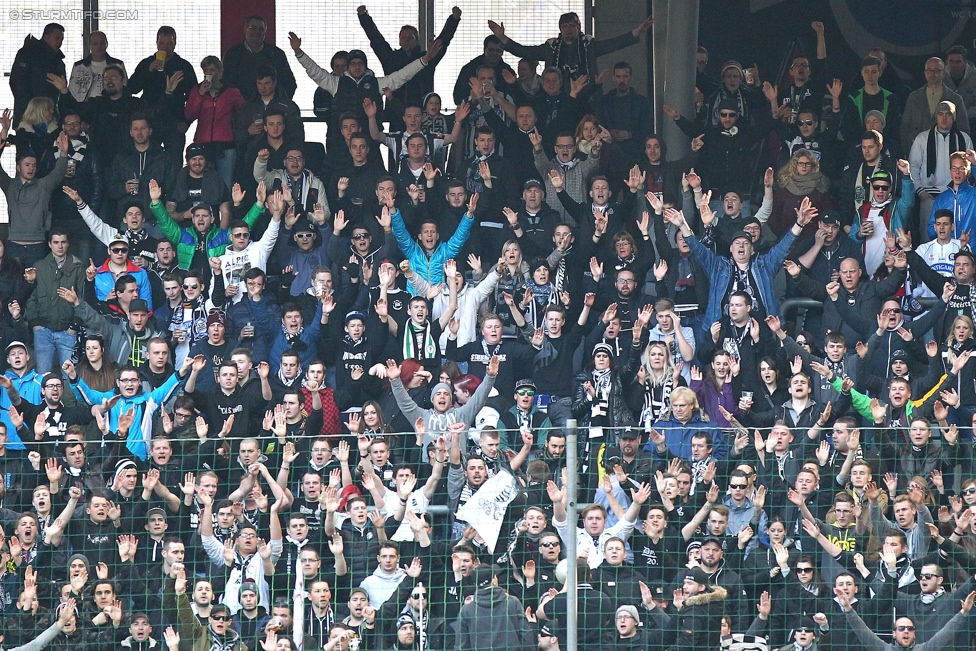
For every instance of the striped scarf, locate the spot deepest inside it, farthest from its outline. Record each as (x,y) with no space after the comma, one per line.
(418,343)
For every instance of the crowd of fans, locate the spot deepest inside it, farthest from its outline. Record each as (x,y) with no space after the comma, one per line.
(269,393)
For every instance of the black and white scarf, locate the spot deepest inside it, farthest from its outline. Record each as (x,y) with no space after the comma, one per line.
(560,51)
(657,398)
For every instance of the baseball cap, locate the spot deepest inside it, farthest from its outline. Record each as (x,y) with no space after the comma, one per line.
(155,511)
(829,217)
(739,235)
(16,344)
(356,54)
(697,575)
(533,183)
(525,383)
(630,432)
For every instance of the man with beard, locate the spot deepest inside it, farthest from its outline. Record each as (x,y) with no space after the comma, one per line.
(138,162)
(197,183)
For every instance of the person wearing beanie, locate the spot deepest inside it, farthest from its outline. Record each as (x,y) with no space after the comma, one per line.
(931,155)
(598,402)
(246,619)
(215,350)
(632,633)
(442,413)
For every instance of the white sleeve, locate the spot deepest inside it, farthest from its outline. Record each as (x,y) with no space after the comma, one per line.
(102,231)
(214,549)
(326,80)
(266,244)
(400,77)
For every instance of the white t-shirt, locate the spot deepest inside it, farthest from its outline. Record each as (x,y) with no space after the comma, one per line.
(417,503)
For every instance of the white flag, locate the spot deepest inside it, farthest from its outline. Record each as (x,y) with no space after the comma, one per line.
(485,510)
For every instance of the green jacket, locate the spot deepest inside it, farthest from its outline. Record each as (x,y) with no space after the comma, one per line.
(862,403)
(185,239)
(45,307)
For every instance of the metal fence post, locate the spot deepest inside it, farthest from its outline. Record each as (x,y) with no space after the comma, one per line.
(572,592)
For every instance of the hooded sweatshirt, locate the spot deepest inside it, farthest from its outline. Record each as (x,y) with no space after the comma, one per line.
(381,585)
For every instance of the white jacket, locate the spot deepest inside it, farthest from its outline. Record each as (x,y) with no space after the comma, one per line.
(330,82)
(469,301)
(253,569)
(234,264)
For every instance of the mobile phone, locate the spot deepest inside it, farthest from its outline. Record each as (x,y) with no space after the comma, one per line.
(276,186)
(313,198)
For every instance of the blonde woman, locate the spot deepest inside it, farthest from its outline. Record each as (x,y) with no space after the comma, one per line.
(38,127)
(513,276)
(960,339)
(798,179)
(657,379)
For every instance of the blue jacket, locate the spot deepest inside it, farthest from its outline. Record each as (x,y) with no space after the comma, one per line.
(105,282)
(430,267)
(29,388)
(719,269)
(678,437)
(143,405)
(962,203)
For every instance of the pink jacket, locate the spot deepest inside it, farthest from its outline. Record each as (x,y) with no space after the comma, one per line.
(215,115)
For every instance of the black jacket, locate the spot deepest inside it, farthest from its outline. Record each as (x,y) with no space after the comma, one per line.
(28,76)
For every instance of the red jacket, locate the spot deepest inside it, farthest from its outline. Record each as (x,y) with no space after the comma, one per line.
(215,115)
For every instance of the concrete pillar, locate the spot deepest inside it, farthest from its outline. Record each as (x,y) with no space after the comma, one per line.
(675,45)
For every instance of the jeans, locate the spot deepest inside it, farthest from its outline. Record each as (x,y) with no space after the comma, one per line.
(45,342)
(226,162)
(28,254)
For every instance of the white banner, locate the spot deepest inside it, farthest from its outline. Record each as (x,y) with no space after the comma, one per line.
(486,508)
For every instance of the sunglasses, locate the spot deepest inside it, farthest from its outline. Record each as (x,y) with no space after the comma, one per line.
(804,630)
(549,544)
(969,491)
(927,575)
(727,114)
(119,250)
(801,342)
(738,485)
(806,123)
(220,618)
(894,310)
(190,285)
(361,236)
(419,595)
(525,392)
(881,187)
(905,628)
(245,235)
(804,570)
(304,236)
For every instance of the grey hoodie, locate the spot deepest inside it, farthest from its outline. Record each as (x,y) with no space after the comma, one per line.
(437,422)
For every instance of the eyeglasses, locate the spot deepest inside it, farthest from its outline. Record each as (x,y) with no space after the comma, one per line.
(727,114)
(804,570)
(190,285)
(626,281)
(119,250)
(304,236)
(806,123)
(183,415)
(910,629)
(927,575)
(361,236)
(738,485)
(220,618)
(624,616)
(550,544)
(804,163)
(245,235)
(53,385)
(800,65)
(294,159)
(128,380)
(957,169)
(525,392)
(881,187)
